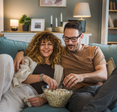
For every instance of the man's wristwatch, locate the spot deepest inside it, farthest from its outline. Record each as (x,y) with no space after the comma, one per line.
(42,74)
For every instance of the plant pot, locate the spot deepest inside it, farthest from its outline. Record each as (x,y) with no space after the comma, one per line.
(25,28)
(20,27)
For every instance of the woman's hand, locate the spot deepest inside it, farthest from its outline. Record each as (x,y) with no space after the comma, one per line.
(51,82)
(19,58)
(37,101)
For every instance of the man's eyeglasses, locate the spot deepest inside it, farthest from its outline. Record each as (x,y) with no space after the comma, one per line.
(73,39)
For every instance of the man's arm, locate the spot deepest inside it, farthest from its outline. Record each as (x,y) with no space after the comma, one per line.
(100,75)
(19,58)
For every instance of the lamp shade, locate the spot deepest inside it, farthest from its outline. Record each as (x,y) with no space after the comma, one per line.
(13,22)
(82,10)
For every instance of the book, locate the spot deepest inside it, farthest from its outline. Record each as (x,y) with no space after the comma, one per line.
(110,21)
(116,4)
(113,5)
(115,22)
(110,5)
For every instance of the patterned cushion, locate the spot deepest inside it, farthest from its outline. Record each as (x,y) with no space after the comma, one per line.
(110,66)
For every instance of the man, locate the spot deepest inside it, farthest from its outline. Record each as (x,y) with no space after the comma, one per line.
(84,69)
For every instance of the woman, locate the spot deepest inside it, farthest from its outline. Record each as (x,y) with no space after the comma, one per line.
(41,67)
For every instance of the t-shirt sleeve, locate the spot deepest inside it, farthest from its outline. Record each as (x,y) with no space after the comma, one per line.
(99,57)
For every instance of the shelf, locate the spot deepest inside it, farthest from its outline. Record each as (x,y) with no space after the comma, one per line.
(112,28)
(113,11)
(109,43)
(9,31)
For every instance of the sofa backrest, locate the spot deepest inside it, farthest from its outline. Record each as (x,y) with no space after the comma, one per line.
(108,50)
(11,47)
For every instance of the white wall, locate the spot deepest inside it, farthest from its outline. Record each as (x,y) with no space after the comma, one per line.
(14,9)
(1,16)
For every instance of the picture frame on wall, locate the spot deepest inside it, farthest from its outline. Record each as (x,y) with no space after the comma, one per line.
(52,3)
(64,23)
(37,24)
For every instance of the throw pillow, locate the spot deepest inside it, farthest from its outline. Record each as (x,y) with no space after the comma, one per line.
(110,66)
(11,47)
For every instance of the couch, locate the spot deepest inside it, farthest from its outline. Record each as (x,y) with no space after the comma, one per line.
(11,47)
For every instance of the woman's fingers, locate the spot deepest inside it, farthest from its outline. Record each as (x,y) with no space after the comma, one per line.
(51,82)
(54,84)
(34,101)
(36,104)
(37,101)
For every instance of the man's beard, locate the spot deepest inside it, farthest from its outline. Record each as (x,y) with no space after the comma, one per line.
(76,47)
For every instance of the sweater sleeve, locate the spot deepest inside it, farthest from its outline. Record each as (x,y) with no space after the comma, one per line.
(24,71)
(58,74)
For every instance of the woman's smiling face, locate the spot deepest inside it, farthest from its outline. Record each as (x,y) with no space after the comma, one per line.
(46,48)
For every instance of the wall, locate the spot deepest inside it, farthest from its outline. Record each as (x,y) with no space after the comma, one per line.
(1,15)
(16,8)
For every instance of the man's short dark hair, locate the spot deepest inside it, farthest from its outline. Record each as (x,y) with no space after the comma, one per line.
(74,25)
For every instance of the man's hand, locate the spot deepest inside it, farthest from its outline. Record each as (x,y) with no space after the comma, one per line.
(51,82)
(19,58)
(37,101)
(72,79)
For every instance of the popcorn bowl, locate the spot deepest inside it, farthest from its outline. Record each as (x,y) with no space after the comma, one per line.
(58,97)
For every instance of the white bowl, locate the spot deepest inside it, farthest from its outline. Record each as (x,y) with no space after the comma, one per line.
(58,97)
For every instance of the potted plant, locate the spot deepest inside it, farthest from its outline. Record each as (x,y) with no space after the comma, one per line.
(26,22)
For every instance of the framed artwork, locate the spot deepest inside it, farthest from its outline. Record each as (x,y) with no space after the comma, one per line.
(52,3)
(64,23)
(37,24)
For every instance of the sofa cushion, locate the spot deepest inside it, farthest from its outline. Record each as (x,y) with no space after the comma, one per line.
(110,66)
(114,110)
(108,50)
(45,108)
(3,38)
(11,47)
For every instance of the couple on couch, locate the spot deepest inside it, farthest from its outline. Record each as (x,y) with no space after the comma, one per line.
(45,60)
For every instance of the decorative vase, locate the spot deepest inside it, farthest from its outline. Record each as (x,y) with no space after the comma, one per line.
(20,26)
(59,29)
(25,28)
(49,29)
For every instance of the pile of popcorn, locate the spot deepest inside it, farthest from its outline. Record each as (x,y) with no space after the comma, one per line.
(58,97)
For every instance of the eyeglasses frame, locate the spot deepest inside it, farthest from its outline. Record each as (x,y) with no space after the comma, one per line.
(70,38)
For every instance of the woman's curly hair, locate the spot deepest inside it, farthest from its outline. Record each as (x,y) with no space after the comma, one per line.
(33,50)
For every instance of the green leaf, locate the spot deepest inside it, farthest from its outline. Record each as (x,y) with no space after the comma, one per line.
(25,20)
(26,23)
